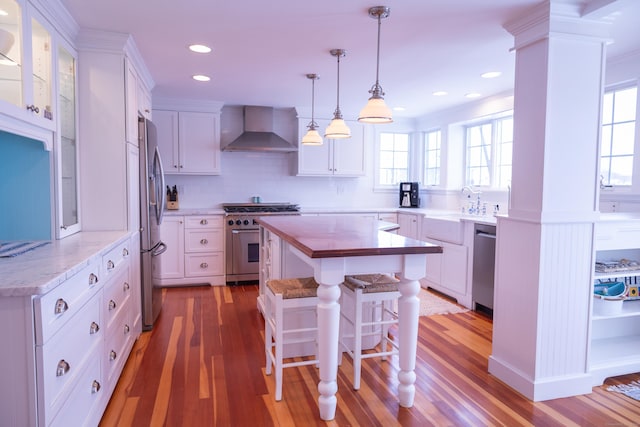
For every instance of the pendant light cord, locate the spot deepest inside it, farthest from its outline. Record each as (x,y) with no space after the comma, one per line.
(338,114)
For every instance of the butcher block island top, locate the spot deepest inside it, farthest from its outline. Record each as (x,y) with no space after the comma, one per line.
(342,236)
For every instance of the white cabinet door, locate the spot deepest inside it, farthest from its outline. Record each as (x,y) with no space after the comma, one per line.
(167,126)
(408,225)
(199,143)
(454,268)
(170,265)
(348,154)
(131,107)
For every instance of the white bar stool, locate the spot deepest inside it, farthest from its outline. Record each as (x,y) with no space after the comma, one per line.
(367,308)
(288,295)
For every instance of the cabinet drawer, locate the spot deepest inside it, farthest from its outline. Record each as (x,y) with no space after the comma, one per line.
(617,235)
(119,335)
(116,294)
(54,309)
(203,240)
(204,265)
(116,257)
(61,360)
(83,399)
(202,222)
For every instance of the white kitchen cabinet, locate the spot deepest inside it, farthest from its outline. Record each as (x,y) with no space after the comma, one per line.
(447,272)
(57,374)
(189,142)
(615,339)
(409,224)
(195,250)
(339,157)
(138,101)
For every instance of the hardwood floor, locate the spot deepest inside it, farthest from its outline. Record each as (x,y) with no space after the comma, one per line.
(203,365)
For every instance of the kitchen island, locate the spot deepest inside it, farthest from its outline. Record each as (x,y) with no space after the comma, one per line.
(336,246)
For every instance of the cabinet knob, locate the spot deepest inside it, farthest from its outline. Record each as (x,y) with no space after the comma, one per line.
(33,109)
(112,355)
(112,305)
(204,265)
(125,252)
(93,279)
(110,265)
(63,368)
(94,328)
(95,387)
(204,222)
(61,306)
(204,241)
(126,329)
(125,286)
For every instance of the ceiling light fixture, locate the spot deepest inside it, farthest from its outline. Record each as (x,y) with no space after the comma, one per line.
(199,48)
(376,111)
(439,93)
(472,95)
(201,78)
(490,74)
(337,129)
(312,136)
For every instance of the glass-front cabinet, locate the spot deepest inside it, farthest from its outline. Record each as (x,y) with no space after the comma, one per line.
(25,85)
(67,167)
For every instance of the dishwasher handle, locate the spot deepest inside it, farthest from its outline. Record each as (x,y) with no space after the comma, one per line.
(483,234)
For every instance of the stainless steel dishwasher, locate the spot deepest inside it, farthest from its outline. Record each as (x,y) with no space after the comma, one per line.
(484,256)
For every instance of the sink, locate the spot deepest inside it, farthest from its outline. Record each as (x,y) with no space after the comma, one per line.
(447,228)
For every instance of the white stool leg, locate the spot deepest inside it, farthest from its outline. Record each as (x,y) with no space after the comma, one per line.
(384,330)
(279,339)
(357,339)
(268,335)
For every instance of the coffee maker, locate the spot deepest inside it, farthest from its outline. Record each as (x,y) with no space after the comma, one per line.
(409,195)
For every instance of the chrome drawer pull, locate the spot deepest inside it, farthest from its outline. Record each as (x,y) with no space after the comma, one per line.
(126,329)
(112,305)
(112,355)
(125,286)
(204,222)
(93,279)
(95,387)
(110,265)
(125,252)
(94,328)
(61,306)
(204,265)
(204,241)
(63,368)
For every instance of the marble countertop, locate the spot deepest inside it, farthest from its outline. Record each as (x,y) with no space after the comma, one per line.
(38,271)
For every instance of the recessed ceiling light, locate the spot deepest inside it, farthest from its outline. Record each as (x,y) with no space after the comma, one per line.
(472,95)
(439,93)
(199,48)
(201,78)
(398,108)
(490,74)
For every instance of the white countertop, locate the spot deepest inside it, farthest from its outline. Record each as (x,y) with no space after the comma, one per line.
(42,269)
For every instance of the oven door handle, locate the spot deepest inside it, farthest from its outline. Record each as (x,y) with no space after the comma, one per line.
(246,230)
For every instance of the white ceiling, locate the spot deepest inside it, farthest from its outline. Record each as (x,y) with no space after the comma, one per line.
(263,49)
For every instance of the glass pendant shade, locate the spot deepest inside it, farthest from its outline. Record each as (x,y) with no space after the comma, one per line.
(376,111)
(312,137)
(337,129)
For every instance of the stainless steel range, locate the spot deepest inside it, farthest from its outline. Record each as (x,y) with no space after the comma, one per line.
(242,237)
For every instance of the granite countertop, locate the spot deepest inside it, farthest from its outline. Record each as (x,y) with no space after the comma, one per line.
(42,269)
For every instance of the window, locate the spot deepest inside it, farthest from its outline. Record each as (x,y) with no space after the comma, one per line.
(394,158)
(432,158)
(618,136)
(489,149)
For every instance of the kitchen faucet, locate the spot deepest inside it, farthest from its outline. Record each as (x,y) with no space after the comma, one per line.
(473,209)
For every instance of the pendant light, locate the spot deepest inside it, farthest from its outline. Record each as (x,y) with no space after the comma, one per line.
(376,111)
(312,137)
(337,129)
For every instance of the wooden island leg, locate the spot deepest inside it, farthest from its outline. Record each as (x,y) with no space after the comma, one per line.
(328,329)
(408,313)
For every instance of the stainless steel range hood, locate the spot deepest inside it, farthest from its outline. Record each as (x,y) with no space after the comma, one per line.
(258,133)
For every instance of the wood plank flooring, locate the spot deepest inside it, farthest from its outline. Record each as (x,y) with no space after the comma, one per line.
(203,365)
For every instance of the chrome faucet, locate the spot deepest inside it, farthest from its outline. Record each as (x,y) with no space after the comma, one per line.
(472,209)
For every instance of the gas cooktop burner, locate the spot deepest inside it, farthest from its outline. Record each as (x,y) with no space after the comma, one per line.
(260,207)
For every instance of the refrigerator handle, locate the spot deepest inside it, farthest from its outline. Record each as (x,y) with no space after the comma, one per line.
(159,186)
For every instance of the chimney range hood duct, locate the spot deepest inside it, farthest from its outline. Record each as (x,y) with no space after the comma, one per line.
(258,133)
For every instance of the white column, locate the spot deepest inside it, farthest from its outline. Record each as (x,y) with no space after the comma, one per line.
(544,248)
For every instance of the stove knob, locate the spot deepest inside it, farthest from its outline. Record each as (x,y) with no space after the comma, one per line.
(230,222)
(238,222)
(255,222)
(246,222)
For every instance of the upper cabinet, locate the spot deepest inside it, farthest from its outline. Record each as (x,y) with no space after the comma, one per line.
(26,64)
(189,142)
(335,157)
(138,101)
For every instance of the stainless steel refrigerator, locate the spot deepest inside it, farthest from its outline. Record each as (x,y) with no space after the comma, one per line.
(152,201)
